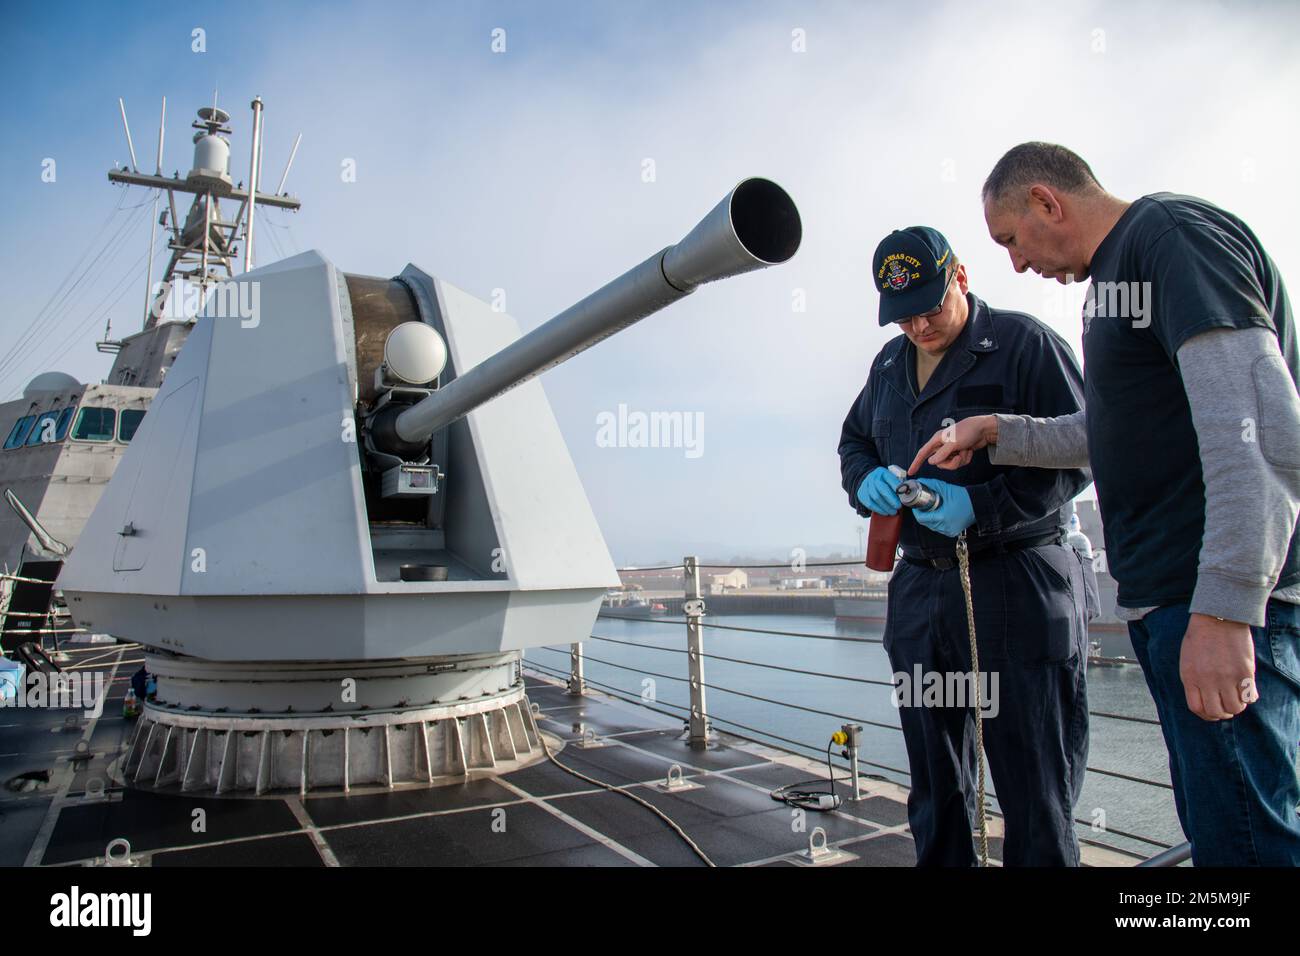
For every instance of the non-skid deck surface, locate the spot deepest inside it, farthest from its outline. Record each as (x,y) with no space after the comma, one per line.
(537,816)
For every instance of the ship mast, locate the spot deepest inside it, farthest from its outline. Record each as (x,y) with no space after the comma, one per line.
(202,247)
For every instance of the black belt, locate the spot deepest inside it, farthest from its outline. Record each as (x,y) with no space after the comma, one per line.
(947,563)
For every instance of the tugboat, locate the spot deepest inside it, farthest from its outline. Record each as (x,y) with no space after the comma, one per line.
(623,604)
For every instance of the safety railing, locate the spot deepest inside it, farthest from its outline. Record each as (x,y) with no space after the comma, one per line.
(19,626)
(698,719)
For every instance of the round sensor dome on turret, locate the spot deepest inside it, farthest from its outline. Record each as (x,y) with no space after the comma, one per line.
(415,353)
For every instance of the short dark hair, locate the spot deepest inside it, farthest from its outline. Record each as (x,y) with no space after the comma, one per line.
(1045,163)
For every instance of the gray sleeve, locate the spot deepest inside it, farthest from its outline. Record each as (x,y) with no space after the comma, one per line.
(1246,413)
(1060,442)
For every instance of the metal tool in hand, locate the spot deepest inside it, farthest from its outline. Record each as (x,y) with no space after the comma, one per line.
(913,494)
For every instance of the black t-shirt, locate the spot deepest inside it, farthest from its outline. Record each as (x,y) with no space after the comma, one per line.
(1173,267)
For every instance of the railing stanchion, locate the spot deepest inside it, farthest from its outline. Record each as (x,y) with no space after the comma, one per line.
(577,687)
(1171,857)
(693,608)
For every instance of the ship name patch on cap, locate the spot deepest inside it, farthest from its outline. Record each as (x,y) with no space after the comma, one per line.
(898,271)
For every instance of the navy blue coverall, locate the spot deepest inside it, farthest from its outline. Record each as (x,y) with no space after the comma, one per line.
(1027,589)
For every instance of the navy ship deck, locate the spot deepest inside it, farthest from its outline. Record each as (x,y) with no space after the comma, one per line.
(551,817)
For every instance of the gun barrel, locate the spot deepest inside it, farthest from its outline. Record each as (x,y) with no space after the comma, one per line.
(756,225)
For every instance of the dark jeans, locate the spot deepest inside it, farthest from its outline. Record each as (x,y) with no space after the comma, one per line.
(1029,607)
(1235,781)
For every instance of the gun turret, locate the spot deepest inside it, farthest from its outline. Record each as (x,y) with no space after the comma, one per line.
(262,550)
(756,225)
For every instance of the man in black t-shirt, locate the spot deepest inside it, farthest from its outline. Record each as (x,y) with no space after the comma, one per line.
(1191,426)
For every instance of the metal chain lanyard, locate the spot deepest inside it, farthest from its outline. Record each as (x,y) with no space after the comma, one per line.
(963,562)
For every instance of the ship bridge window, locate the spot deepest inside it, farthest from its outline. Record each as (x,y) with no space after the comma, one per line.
(65,419)
(22,428)
(46,429)
(131,418)
(95,424)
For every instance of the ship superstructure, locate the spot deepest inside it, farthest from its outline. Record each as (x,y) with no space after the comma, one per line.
(64,439)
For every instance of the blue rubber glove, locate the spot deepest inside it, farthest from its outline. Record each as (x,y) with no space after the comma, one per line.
(879,492)
(954,516)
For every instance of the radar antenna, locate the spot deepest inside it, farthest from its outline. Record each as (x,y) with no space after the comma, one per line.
(202,245)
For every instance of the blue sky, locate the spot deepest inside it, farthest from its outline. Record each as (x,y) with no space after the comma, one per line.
(522,171)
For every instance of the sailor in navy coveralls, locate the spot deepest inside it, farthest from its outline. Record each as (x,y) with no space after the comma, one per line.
(958,357)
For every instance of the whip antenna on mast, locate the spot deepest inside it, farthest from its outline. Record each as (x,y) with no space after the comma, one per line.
(153,225)
(279,190)
(135,167)
(254,167)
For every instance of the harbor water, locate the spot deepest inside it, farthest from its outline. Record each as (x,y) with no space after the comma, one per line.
(654,671)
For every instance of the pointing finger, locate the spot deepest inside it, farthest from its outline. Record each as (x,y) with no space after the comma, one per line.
(936,443)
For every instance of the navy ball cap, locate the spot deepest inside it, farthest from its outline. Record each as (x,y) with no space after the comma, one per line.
(910,271)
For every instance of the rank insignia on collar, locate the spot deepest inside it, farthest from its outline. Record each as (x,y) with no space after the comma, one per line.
(887,362)
(985,343)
